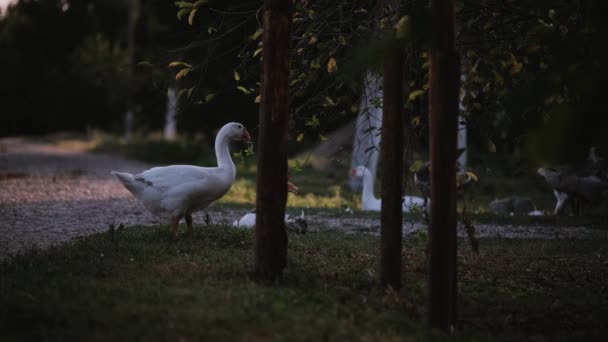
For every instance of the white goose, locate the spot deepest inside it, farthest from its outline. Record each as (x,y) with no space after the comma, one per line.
(248,220)
(176,191)
(369,202)
(294,224)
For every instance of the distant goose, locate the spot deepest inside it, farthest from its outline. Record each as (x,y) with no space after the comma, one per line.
(295,224)
(568,187)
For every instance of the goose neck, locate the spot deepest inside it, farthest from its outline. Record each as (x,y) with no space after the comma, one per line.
(368,186)
(222,152)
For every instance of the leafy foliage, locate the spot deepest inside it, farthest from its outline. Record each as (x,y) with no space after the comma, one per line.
(533,71)
(63,65)
(532,75)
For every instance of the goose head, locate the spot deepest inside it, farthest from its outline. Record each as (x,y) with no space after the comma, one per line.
(235,132)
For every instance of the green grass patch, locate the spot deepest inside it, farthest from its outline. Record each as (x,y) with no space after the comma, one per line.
(141,285)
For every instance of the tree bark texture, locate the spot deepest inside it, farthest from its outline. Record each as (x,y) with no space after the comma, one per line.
(443,111)
(270,234)
(392,168)
(134,8)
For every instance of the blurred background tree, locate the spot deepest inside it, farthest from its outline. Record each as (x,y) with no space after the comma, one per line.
(533,70)
(63,65)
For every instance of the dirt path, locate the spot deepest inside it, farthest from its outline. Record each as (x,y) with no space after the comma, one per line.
(49,195)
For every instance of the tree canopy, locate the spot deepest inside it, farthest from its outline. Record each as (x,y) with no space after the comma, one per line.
(532,70)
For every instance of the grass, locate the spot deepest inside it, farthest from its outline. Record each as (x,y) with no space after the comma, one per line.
(141,285)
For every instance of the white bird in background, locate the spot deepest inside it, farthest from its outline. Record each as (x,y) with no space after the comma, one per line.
(176,191)
(369,202)
(585,184)
(296,224)
(568,187)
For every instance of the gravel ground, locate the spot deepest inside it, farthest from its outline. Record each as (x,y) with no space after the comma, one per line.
(49,195)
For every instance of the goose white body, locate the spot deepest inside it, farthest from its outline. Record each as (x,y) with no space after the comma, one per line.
(176,191)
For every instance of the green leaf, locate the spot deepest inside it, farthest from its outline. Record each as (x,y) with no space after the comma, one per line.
(293,82)
(295,166)
(256,34)
(328,102)
(182,12)
(145,64)
(416,166)
(414,94)
(313,122)
(257,51)
(211,29)
(237,77)
(199,2)
(249,150)
(177,63)
(184,4)
(300,137)
(332,66)
(243,90)
(182,92)
(209,97)
(402,27)
(183,73)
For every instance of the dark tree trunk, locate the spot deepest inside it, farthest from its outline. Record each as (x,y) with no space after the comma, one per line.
(443,112)
(392,168)
(134,7)
(270,234)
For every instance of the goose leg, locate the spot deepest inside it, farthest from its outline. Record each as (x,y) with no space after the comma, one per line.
(562,199)
(175,227)
(189,223)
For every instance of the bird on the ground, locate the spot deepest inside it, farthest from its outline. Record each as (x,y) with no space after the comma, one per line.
(577,186)
(568,187)
(295,224)
(176,191)
(369,202)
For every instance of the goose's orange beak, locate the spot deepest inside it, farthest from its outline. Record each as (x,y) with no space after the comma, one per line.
(292,188)
(246,137)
